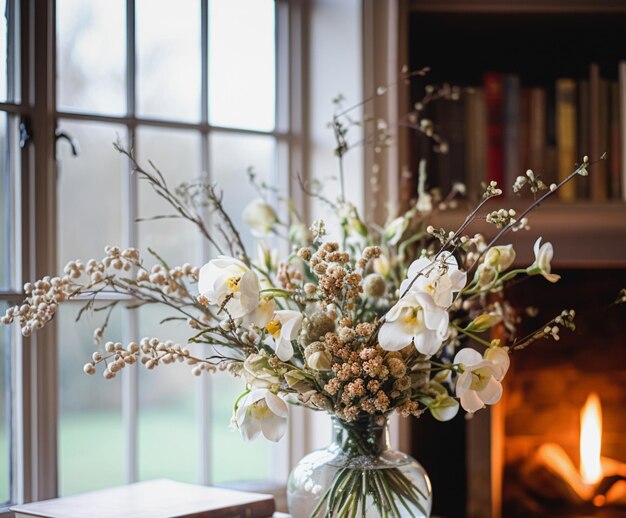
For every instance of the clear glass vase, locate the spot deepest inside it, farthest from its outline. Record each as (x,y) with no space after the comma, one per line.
(359,475)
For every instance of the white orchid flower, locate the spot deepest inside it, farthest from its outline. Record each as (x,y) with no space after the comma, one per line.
(262,411)
(479,383)
(284,328)
(442,406)
(260,217)
(259,373)
(440,279)
(543,257)
(500,257)
(266,258)
(228,281)
(262,314)
(414,318)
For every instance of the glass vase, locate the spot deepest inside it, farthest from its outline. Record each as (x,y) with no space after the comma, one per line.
(359,475)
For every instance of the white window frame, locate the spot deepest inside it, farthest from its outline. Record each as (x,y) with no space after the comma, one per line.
(34,369)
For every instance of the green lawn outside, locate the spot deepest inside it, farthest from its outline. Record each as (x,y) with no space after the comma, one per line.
(90,450)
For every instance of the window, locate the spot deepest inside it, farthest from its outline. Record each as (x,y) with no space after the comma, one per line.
(183,92)
(188,93)
(10,113)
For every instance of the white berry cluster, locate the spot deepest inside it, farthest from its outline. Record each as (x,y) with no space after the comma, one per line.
(42,300)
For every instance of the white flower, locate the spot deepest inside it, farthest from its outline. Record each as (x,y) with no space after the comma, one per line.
(479,383)
(266,258)
(284,328)
(262,411)
(258,372)
(543,257)
(395,229)
(414,318)
(500,257)
(485,274)
(229,281)
(440,279)
(260,217)
(441,405)
(262,314)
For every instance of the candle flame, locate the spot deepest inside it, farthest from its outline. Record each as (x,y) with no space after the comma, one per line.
(591,440)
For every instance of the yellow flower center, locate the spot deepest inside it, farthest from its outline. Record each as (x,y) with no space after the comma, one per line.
(480,378)
(411,316)
(233,283)
(259,410)
(430,288)
(273,328)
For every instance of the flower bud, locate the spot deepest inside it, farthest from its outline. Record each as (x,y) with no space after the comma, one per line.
(320,361)
(260,217)
(500,257)
(374,285)
(483,322)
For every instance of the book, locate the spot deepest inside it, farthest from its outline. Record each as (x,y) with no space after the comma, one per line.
(622,117)
(596,97)
(159,498)
(537,133)
(565,98)
(550,175)
(493,86)
(614,157)
(511,121)
(583,136)
(449,166)
(475,149)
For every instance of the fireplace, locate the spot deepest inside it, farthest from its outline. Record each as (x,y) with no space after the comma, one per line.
(547,389)
(489,466)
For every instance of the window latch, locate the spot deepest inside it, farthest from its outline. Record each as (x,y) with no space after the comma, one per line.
(24,134)
(62,135)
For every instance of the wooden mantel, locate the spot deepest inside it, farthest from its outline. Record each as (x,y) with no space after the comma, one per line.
(584,234)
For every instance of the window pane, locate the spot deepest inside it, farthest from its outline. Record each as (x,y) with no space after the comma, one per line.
(5,408)
(233,459)
(242,63)
(177,155)
(5,203)
(91,56)
(90,422)
(4,54)
(231,156)
(168,59)
(89,191)
(167,425)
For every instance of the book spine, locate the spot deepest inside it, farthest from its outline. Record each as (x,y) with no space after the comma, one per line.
(537,132)
(550,175)
(475,124)
(598,175)
(583,148)
(511,129)
(493,105)
(566,134)
(622,118)
(614,139)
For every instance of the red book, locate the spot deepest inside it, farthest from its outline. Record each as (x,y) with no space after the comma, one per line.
(493,85)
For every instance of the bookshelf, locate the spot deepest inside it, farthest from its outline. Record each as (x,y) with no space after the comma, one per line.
(537,43)
(561,97)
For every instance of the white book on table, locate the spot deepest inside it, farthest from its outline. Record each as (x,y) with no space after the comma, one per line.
(160,498)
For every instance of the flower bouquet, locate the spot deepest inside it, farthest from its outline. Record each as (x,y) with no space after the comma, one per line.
(380,320)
